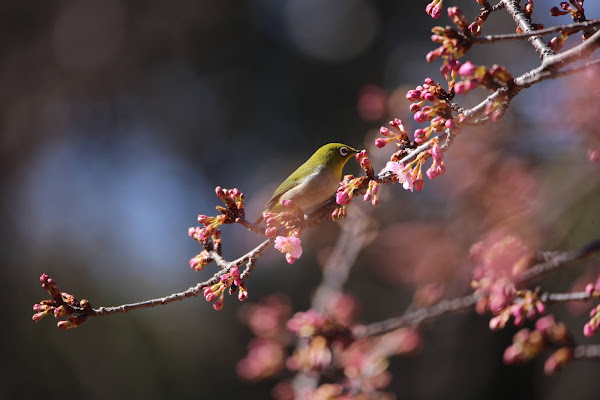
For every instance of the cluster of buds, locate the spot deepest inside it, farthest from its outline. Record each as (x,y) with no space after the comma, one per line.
(478,75)
(322,332)
(577,14)
(437,167)
(365,163)
(347,187)
(529,344)
(311,323)
(339,213)
(372,193)
(291,245)
(439,113)
(575,9)
(234,200)
(434,9)
(493,79)
(350,184)
(525,304)
(454,43)
(200,261)
(499,261)
(285,222)
(475,26)
(231,280)
(62,305)
(396,134)
(211,227)
(593,324)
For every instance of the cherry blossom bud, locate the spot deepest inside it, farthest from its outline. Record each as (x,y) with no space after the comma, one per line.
(467,69)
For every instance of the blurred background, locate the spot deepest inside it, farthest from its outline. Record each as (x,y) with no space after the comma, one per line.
(118,119)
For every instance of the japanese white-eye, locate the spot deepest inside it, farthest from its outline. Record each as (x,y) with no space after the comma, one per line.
(315,181)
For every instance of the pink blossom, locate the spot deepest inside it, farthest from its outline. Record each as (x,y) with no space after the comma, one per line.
(291,245)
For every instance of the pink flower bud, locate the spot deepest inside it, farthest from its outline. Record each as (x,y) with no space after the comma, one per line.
(413,95)
(540,307)
(428,96)
(242,293)
(396,123)
(287,203)
(436,152)
(467,69)
(588,330)
(342,198)
(418,184)
(431,172)
(271,232)
(511,355)
(454,12)
(414,107)
(379,142)
(385,131)
(420,116)
(589,289)
(218,305)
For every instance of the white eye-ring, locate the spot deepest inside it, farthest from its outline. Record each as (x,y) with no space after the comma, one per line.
(344,151)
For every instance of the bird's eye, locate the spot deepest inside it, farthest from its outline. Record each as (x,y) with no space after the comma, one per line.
(343,151)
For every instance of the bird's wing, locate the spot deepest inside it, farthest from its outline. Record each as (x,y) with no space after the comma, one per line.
(292,181)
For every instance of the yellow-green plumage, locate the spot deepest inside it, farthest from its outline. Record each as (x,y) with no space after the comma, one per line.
(315,181)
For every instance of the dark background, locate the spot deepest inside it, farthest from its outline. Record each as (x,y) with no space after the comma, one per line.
(119,118)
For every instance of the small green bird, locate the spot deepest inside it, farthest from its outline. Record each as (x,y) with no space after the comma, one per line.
(315,181)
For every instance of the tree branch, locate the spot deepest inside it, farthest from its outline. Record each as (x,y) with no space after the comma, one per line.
(587,351)
(193,291)
(557,260)
(444,307)
(514,9)
(416,317)
(538,32)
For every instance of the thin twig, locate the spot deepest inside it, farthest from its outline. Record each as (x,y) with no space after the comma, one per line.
(463,303)
(587,351)
(538,32)
(191,292)
(416,317)
(565,297)
(557,261)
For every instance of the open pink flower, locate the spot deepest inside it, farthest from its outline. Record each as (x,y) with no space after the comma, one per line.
(291,245)
(403,177)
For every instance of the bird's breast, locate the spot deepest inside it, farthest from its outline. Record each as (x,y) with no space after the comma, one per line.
(314,189)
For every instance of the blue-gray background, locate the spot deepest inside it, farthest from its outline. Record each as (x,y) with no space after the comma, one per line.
(118,119)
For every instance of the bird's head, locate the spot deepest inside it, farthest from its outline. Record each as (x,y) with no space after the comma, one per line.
(333,156)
